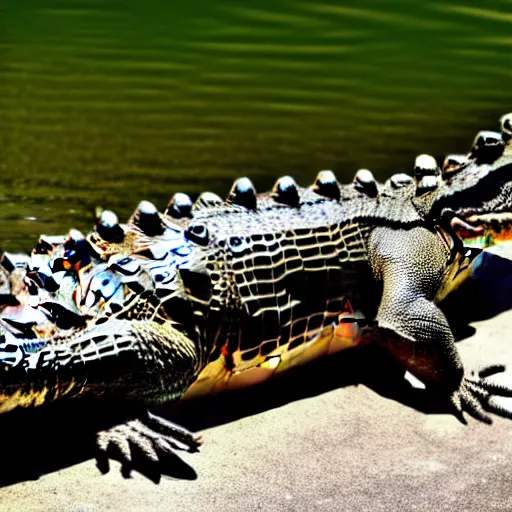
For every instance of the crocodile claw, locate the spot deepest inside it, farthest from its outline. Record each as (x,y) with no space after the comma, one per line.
(147,440)
(479,395)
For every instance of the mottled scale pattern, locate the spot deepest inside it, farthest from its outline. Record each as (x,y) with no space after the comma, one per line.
(279,290)
(275,218)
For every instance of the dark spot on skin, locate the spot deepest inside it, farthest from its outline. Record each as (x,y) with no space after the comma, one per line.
(198,234)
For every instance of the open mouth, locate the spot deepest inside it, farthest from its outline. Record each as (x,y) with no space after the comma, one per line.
(494,227)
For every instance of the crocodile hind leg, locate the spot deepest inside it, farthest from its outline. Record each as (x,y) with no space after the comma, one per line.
(133,363)
(410,264)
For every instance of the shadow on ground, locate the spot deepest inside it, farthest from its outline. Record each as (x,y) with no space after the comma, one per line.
(37,442)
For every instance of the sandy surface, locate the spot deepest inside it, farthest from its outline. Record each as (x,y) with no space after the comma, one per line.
(346,447)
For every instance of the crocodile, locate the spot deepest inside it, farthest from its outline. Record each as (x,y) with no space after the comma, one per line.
(215,294)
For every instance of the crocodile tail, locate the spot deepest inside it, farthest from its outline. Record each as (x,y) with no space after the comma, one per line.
(140,360)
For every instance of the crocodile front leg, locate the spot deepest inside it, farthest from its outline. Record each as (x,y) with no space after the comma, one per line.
(410,264)
(129,361)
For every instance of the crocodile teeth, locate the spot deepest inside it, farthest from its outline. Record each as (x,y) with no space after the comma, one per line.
(364,181)
(286,191)
(179,206)
(327,185)
(146,217)
(463,228)
(487,146)
(506,126)
(243,193)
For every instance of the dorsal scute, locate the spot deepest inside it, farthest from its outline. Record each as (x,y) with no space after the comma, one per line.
(77,251)
(400,180)
(147,219)
(426,174)
(365,182)
(179,206)
(108,227)
(326,184)
(453,164)
(487,146)
(286,191)
(243,194)
(506,127)
(207,200)
(425,165)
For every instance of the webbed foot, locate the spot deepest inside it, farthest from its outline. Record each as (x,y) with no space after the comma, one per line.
(483,393)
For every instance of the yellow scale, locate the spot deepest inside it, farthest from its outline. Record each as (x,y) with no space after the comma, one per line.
(216,377)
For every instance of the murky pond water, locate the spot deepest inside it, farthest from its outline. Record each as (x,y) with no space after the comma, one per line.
(106,102)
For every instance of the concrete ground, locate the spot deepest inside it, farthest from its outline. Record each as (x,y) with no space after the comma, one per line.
(345,448)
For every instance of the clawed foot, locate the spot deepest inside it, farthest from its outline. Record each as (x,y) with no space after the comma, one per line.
(480,394)
(147,440)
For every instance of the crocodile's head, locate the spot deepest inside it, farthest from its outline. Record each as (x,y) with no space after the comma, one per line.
(473,193)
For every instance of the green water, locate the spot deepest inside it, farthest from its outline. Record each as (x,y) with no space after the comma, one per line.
(110,102)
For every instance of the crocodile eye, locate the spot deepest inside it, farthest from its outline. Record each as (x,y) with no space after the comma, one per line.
(104,285)
(198,234)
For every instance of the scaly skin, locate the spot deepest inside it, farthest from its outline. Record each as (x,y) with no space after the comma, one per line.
(218,295)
